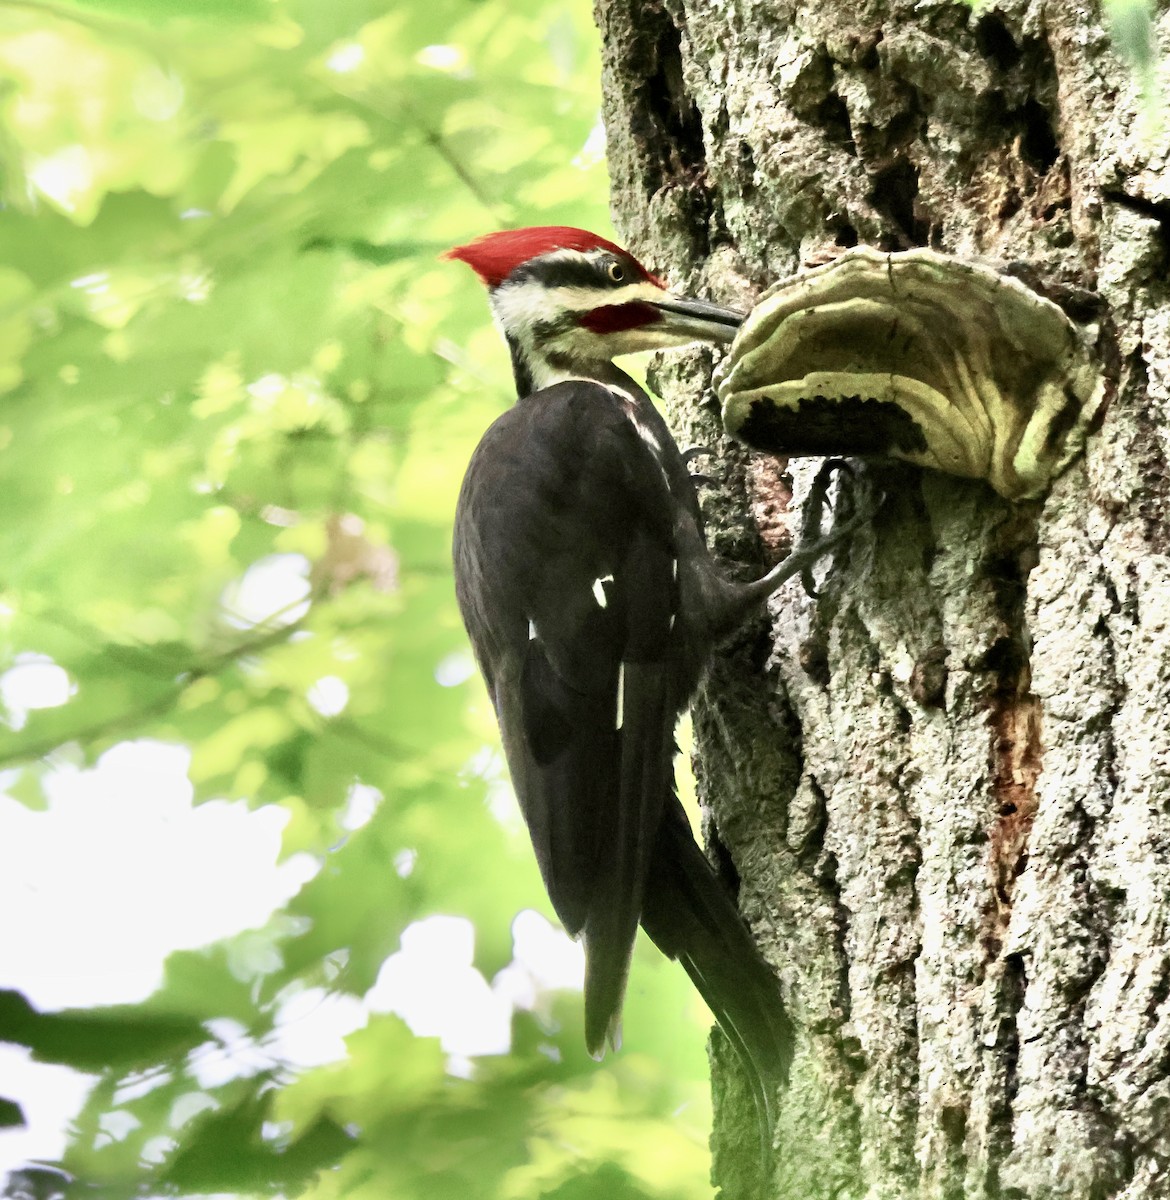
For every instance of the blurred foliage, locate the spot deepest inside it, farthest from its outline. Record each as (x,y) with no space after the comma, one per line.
(1132,29)
(227,346)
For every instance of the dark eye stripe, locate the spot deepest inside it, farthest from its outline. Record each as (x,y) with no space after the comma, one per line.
(569,273)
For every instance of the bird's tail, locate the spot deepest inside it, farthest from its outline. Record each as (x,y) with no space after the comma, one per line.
(689,916)
(628,847)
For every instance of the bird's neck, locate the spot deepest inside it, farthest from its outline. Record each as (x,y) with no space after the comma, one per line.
(534,372)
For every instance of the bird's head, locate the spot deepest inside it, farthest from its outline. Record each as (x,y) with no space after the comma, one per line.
(568,302)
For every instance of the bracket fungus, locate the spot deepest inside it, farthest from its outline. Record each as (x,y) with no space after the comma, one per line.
(917,356)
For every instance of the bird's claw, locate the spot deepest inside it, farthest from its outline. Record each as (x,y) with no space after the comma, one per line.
(856,505)
(697,479)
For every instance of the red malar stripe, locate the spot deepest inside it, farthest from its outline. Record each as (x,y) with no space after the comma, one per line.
(614,318)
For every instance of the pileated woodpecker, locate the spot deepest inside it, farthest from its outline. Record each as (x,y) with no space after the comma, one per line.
(592,604)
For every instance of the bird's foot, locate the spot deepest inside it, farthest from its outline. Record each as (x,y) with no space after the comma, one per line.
(856,504)
(689,455)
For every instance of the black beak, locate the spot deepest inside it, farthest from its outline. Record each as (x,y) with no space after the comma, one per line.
(700,319)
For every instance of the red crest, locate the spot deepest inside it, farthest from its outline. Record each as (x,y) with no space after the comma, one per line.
(495,256)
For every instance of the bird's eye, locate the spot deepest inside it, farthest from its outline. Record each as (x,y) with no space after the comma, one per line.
(616,272)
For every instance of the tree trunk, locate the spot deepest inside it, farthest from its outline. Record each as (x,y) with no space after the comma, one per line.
(942,787)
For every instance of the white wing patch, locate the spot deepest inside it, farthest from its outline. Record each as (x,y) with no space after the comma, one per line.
(648,436)
(599,590)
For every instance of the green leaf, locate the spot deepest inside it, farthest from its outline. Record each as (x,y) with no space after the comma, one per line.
(113,1037)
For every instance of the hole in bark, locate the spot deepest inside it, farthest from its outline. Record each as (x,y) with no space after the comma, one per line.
(869,61)
(1030,126)
(832,116)
(994,41)
(847,236)
(721,122)
(928,680)
(1007,567)
(671,108)
(747,168)
(954,1124)
(760,651)
(1005,657)
(1038,145)
(895,190)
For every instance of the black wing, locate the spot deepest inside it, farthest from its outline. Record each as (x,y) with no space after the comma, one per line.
(565,564)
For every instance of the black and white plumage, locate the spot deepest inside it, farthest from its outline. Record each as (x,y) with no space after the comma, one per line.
(592,604)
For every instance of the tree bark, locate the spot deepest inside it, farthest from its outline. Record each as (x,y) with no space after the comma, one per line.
(941,788)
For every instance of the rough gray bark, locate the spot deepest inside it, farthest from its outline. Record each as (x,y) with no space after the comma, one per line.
(943,787)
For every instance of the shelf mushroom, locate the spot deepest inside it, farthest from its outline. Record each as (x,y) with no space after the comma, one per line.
(917,356)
